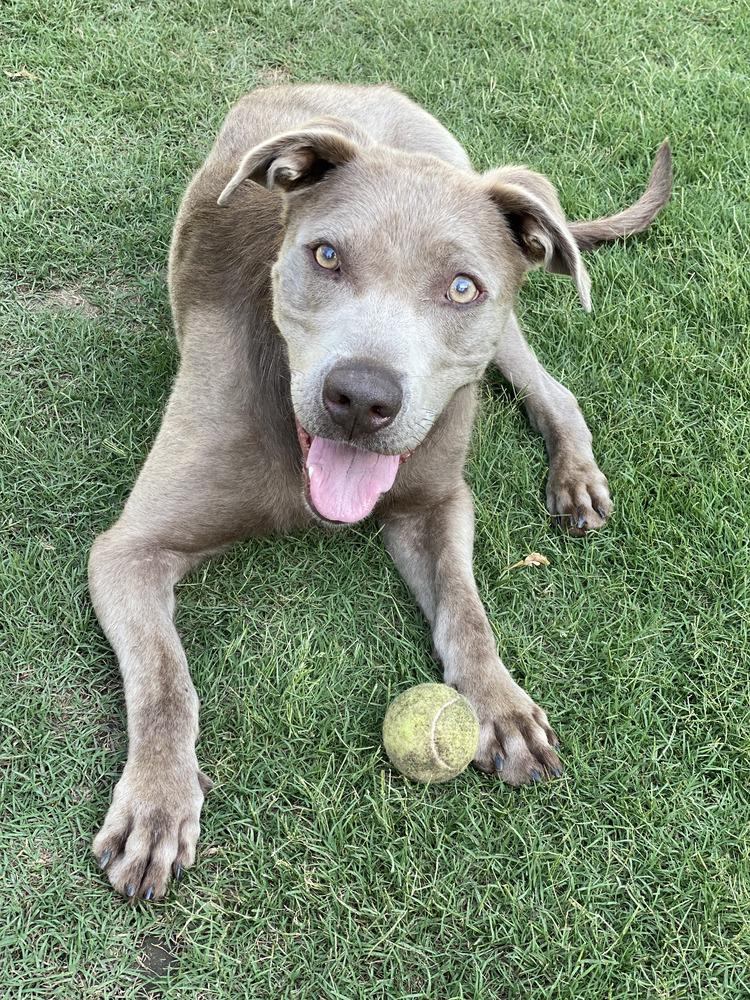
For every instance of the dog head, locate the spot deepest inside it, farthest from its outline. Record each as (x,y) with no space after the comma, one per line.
(392,289)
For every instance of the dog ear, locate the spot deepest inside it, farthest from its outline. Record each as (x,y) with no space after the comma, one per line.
(298,159)
(537,223)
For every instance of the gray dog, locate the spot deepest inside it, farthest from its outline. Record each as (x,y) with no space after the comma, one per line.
(340,279)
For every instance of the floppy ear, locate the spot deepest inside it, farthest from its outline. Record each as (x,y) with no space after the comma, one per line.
(537,224)
(300,158)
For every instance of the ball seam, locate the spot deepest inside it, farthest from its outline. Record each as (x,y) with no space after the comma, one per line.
(437,756)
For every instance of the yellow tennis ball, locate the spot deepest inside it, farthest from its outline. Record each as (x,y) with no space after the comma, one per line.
(431,733)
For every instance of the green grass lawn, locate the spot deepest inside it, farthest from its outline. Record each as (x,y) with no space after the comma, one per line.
(321,872)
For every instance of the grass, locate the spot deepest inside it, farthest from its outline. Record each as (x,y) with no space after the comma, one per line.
(321,873)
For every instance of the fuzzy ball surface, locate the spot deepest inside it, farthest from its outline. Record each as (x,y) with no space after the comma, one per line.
(430,733)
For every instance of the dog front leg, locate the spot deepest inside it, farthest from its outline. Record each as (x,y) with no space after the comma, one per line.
(152,825)
(432,549)
(577,492)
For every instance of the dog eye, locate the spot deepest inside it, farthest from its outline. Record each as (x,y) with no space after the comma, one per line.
(327,257)
(462,290)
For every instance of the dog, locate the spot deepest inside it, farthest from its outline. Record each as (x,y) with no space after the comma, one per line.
(340,278)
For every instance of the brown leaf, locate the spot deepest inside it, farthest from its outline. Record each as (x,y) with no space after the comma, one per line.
(21,74)
(532,559)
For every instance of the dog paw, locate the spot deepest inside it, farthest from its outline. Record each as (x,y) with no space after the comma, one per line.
(578,496)
(151,829)
(516,742)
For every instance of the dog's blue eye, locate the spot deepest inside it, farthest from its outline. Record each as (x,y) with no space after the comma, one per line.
(462,290)
(327,257)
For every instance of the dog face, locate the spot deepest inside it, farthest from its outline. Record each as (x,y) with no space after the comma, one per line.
(391,291)
(397,270)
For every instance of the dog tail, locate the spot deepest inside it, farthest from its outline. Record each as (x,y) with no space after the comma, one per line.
(638,216)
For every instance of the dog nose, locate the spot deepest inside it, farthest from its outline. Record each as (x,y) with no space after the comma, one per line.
(361,398)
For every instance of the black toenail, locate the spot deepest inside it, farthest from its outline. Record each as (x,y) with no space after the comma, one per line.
(601,512)
(104,859)
(582,522)
(556,772)
(498,762)
(536,775)
(150,893)
(130,890)
(178,873)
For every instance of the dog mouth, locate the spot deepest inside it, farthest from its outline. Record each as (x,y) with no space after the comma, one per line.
(343,483)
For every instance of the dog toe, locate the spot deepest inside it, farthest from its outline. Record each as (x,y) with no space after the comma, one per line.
(150,832)
(516,743)
(578,498)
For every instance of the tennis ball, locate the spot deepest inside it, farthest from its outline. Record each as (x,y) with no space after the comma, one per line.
(430,733)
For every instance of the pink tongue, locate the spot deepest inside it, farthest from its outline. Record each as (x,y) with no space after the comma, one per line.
(345,482)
